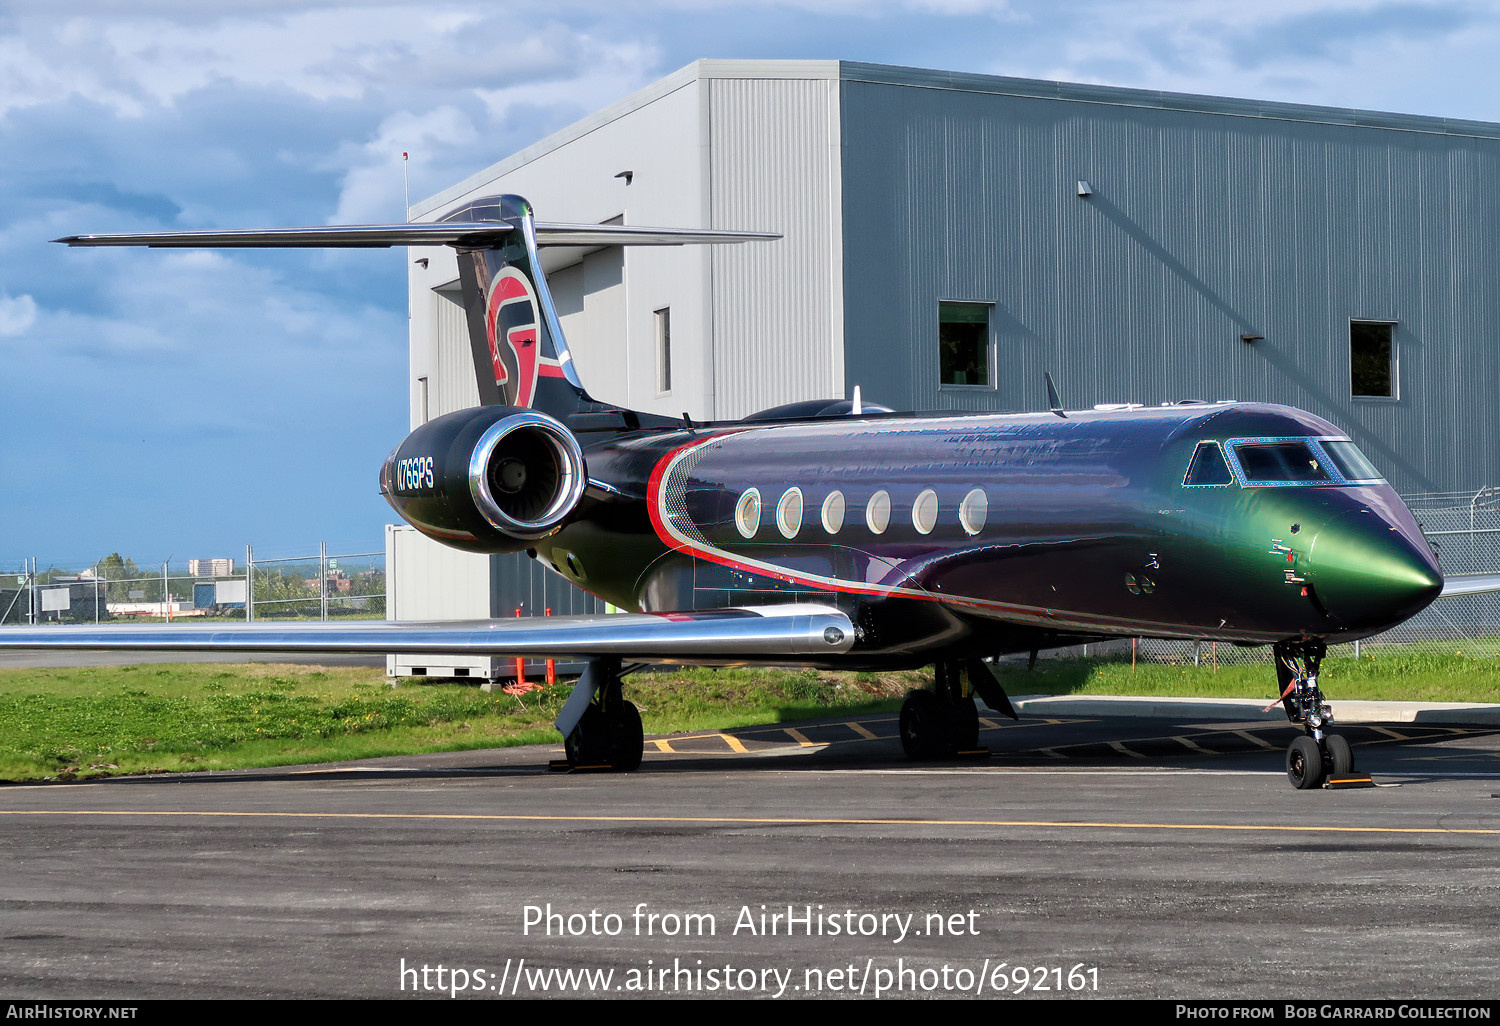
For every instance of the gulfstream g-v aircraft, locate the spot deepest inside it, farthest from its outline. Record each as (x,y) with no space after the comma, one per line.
(841,535)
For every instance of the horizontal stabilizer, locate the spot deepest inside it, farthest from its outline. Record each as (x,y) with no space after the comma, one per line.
(470,233)
(1469,584)
(724,635)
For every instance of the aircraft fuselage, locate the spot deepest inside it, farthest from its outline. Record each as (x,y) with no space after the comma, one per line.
(1004,532)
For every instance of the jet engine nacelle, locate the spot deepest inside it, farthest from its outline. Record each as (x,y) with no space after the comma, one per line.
(489,479)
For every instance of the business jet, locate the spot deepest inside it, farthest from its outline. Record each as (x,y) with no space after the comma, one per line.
(837,533)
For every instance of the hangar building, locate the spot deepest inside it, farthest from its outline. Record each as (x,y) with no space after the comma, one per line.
(949,237)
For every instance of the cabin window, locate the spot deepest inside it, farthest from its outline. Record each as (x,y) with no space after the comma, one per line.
(663,351)
(973,511)
(1280,463)
(878,512)
(1372,359)
(924,512)
(964,344)
(1208,466)
(833,512)
(789,513)
(747,513)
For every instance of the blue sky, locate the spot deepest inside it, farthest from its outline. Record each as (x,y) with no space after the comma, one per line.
(189,403)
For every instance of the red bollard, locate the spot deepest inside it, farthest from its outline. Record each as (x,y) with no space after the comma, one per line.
(551,663)
(520,666)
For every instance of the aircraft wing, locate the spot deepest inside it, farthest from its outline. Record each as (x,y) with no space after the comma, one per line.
(418,233)
(1469,584)
(758,633)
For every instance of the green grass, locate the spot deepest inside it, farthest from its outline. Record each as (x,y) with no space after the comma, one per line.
(1393,675)
(78,723)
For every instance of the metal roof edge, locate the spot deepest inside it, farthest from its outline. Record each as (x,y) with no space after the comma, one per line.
(577,130)
(962,81)
(706,68)
(885,74)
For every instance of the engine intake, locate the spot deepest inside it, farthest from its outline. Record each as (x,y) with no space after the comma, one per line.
(490,479)
(526,474)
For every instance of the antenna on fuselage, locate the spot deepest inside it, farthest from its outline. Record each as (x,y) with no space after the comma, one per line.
(1052,398)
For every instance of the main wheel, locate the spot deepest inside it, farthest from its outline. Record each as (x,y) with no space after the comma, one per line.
(1340,757)
(589,742)
(965,724)
(924,727)
(1304,764)
(627,738)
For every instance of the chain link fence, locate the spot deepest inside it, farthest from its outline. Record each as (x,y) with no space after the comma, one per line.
(1463,527)
(318,586)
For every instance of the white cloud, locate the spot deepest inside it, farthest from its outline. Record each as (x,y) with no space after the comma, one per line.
(17,315)
(1352,53)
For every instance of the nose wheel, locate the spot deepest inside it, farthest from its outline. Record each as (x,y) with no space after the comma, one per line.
(1320,757)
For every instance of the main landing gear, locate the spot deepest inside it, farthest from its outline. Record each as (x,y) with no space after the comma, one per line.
(1319,756)
(944,723)
(601,729)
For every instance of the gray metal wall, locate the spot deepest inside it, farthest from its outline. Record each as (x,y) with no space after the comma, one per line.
(1202,226)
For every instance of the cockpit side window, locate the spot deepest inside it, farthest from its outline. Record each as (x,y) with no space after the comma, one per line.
(1280,462)
(1350,461)
(1207,466)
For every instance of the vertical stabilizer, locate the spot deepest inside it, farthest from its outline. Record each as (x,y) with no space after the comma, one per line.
(520,355)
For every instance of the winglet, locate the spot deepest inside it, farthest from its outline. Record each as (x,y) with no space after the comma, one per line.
(1052,398)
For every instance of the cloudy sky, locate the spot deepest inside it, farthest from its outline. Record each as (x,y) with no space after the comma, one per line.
(184,404)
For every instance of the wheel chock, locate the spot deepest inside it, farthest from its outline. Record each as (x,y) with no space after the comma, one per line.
(1347,781)
(972,754)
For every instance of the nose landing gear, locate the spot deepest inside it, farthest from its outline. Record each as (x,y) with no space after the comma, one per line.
(1320,758)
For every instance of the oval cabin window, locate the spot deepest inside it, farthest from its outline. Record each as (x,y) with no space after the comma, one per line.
(747,513)
(789,513)
(833,512)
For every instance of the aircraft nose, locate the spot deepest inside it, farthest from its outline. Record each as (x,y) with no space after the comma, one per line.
(1370,573)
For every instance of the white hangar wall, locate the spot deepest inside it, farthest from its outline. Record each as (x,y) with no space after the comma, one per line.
(739,145)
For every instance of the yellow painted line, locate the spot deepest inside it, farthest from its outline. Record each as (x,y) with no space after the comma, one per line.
(1121,748)
(799,737)
(989,723)
(663,745)
(1393,733)
(735,744)
(1188,743)
(1052,753)
(764,820)
(861,731)
(1257,740)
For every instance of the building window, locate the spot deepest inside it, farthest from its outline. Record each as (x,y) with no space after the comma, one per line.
(664,350)
(964,344)
(1372,359)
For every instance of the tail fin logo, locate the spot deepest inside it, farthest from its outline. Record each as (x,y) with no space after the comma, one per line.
(511,314)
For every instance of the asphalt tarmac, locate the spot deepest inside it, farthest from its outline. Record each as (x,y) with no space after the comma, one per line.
(1137,851)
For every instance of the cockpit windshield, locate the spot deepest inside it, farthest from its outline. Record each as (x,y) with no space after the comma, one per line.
(1280,462)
